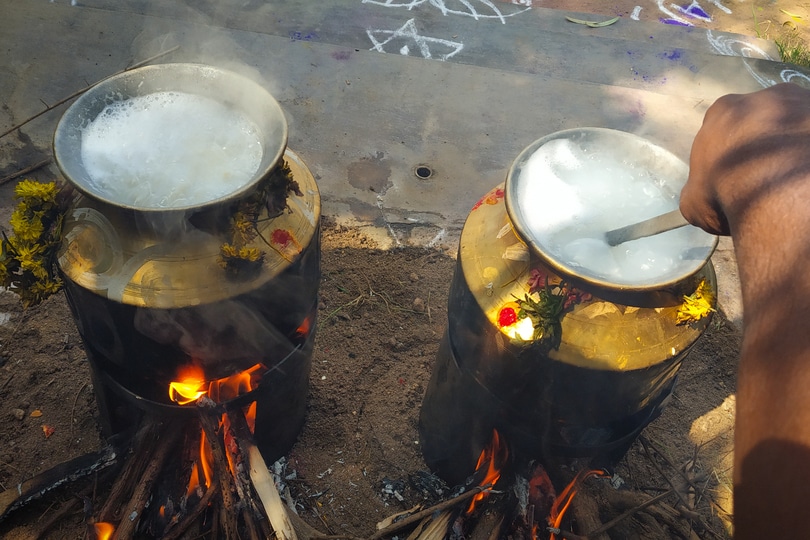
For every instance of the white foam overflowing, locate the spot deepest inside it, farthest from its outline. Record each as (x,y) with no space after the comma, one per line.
(572,194)
(170,150)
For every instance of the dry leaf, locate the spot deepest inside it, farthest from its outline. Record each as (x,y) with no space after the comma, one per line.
(593,24)
(48,430)
(36,413)
(792,15)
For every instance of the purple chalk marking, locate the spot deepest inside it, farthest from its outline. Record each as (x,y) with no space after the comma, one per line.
(341,55)
(674,22)
(696,11)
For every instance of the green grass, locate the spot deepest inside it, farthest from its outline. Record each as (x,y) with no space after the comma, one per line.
(793,49)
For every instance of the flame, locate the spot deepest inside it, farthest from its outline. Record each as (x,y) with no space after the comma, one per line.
(203,463)
(562,502)
(234,386)
(193,481)
(104,531)
(250,417)
(303,330)
(206,461)
(190,386)
(494,456)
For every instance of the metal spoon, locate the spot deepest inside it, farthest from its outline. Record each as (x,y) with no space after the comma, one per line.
(648,227)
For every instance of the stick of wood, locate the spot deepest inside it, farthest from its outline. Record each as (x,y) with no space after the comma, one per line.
(35,166)
(612,523)
(411,520)
(143,445)
(209,420)
(143,490)
(265,487)
(83,90)
(180,528)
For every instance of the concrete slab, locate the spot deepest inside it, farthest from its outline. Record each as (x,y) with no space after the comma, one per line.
(374,89)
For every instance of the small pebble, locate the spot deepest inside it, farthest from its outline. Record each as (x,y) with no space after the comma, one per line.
(19,414)
(419,305)
(413,277)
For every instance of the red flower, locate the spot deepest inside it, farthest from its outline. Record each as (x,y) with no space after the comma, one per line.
(507,317)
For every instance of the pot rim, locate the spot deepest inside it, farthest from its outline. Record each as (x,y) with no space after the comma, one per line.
(120,86)
(516,211)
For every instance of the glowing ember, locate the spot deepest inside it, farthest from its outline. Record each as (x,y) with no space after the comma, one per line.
(104,531)
(494,457)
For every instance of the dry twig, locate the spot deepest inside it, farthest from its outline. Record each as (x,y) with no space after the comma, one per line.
(83,90)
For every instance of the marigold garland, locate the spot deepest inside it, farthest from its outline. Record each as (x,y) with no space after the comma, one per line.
(27,256)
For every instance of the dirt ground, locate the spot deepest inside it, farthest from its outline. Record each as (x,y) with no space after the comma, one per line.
(382,314)
(785,20)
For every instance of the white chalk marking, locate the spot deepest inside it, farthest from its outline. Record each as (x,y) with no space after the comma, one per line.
(471,10)
(636,13)
(440,236)
(671,15)
(686,11)
(408,31)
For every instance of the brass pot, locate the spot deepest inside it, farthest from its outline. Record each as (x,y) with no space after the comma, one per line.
(154,290)
(588,386)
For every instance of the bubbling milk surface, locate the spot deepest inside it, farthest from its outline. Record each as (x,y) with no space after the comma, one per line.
(169,150)
(573,194)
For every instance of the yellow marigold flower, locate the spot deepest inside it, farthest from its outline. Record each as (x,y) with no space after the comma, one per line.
(30,189)
(45,287)
(26,229)
(38,270)
(27,253)
(697,305)
(228,251)
(250,254)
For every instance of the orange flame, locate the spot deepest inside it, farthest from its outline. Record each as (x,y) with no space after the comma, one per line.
(303,330)
(203,463)
(228,388)
(562,502)
(495,457)
(191,384)
(250,417)
(104,531)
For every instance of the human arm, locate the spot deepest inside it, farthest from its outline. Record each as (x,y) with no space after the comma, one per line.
(750,177)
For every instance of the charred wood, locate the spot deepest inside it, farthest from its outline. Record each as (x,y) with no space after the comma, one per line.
(133,510)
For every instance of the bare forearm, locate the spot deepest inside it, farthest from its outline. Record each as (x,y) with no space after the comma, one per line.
(772,442)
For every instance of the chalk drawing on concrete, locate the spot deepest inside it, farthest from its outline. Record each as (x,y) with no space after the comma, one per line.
(486,8)
(407,39)
(729,45)
(636,13)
